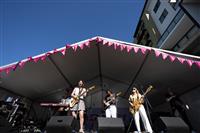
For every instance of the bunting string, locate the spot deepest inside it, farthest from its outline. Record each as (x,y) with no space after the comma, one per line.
(104,42)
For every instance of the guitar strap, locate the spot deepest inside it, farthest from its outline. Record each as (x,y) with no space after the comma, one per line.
(80,93)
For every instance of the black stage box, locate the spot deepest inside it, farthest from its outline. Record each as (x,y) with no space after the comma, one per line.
(110,125)
(171,125)
(60,124)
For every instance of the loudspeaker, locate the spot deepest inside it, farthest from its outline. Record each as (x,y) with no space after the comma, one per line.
(110,125)
(171,125)
(60,124)
(5,127)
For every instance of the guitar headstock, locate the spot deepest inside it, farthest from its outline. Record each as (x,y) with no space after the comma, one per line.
(118,94)
(91,88)
(149,88)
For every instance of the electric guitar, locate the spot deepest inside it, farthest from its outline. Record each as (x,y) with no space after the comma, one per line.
(135,105)
(111,99)
(75,100)
(69,102)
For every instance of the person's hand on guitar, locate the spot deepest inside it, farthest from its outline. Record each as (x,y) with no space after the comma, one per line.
(106,103)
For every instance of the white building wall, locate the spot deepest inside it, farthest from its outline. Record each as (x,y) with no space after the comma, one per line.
(163,5)
(193,10)
(177,33)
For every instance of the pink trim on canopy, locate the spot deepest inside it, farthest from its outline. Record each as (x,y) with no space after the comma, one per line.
(122,47)
(128,48)
(181,60)
(164,56)
(172,58)
(143,50)
(135,49)
(106,42)
(157,53)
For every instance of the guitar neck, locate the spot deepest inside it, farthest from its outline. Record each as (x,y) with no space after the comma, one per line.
(86,91)
(147,91)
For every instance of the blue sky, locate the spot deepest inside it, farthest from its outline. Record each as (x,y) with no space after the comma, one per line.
(32,27)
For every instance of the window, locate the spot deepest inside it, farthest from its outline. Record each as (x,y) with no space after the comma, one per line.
(192,32)
(174,4)
(163,16)
(156,6)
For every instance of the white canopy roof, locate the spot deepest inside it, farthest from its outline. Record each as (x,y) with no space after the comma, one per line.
(102,62)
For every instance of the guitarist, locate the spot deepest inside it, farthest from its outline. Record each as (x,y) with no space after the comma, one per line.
(80,106)
(110,103)
(136,101)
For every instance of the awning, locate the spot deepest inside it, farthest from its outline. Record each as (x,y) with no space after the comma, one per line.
(106,63)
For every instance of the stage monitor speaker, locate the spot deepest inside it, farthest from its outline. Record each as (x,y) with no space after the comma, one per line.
(60,124)
(110,125)
(171,125)
(5,127)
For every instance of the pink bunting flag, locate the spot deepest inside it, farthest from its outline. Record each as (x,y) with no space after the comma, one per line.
(110,44)
(172,58)
(189,62)
(98,39)
(75,47)
(197,63)
(181,60)
(115,45)
(48,53)
(135,49)
(14,66)
(8,69)
(55,51)
(122,47)
(157,53)
(128,48)
(30,59)
(43,57)
(1,70)
(36,59)
(164,56)
(22,63)
(87,43)
(68,46)
(63,51)
(118,44)
(143,50)
(104,42)
(81,46)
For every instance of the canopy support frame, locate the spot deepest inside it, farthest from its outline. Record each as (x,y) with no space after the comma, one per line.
(60,72)
(136,75)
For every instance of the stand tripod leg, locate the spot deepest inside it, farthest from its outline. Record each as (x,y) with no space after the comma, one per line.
(129,125)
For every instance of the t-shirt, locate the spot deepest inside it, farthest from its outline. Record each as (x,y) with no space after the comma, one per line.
(77,91)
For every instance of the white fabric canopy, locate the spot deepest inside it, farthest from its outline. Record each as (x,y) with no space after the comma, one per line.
(106,63)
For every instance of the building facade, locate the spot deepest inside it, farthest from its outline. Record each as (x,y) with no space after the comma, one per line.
(170,24)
